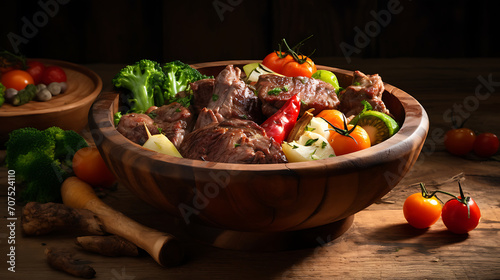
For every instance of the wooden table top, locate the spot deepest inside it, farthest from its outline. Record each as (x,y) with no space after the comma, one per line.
(379,245)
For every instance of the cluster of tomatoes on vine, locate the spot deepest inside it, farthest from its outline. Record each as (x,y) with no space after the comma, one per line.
(460,214)
(460,141)
(17,72)
(289,61)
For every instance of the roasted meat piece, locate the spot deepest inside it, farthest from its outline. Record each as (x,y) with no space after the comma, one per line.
(174,120)
(232,141)
(364,87)
(231,97)
(274,91)
(203,91)
(132,126)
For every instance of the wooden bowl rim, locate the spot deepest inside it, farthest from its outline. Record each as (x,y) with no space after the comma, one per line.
(76,104)
(405,139)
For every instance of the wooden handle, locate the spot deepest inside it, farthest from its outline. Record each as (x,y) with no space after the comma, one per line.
(163,247)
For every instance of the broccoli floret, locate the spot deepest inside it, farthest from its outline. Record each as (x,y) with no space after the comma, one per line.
(42,160)
(141,80)
(67,142)
(178,77)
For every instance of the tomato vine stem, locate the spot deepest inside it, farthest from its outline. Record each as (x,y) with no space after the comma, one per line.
(344,132)
(294,52)
(462,198)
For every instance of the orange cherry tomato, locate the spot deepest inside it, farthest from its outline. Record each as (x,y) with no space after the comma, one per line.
(295,69)
(420,211)
(344,145)
(16,79)
(89,167)
(276,60)
(334,117)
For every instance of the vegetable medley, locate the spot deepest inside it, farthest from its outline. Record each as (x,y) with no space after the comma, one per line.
(305,113)
(328,133)
(22,81)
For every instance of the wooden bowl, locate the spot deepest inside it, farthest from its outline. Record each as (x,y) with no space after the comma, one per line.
(268,197)
(68,110)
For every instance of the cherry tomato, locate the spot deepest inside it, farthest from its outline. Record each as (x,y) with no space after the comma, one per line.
(276,60)
(16,79)
(486,144)
(36,69)
(53,74)
(89,166)
(295,69)
(457,218)
(459,141)
(344,145)
(334,117)
(421,211)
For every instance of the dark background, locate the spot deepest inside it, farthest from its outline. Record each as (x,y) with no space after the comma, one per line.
(98,31)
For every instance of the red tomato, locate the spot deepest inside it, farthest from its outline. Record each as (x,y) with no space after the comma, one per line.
(89,166)
(36,69)
(420,211)
(344,145)
(486,144)
(276,60)
(53,74)
(16,79)
(456,218)
(295,69)
(459,141)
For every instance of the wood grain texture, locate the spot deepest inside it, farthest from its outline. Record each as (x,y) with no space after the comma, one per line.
(271,197)
(68,110)
(379,244)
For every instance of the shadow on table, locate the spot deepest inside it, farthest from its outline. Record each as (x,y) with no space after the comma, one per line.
(423,240)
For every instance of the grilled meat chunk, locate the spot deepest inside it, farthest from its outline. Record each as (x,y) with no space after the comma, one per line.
(364,87)
(174,120)
(274,91)
(203,91)
(232,98)
(232,141)
(132,126)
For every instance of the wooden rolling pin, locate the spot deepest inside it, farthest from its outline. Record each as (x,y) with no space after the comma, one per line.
(163,247)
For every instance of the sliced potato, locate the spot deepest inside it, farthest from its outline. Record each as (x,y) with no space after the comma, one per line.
(161,144)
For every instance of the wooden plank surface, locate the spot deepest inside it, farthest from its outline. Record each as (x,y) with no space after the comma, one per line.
(379,245)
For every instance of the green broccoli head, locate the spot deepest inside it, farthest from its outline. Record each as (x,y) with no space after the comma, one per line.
(42,160)
(42,177)
(178,77)
(141,80)
(24,140)
(67,142)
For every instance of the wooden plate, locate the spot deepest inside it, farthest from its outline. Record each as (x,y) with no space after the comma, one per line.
(68,110)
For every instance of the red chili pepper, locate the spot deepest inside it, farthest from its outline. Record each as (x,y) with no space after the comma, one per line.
(279,125)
